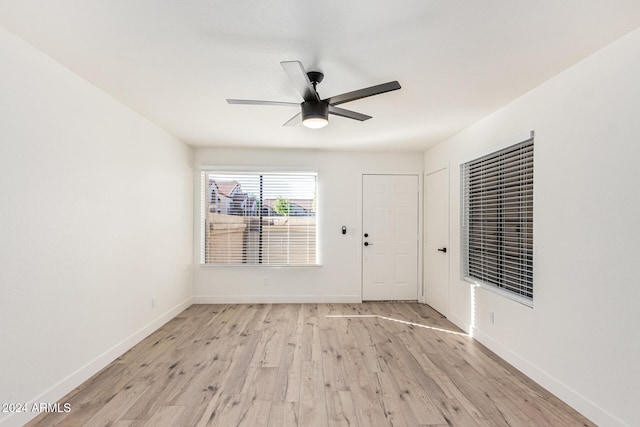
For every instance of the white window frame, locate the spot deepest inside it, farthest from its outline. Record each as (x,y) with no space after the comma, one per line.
(498,288)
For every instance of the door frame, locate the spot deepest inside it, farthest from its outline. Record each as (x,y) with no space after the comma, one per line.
(420,243)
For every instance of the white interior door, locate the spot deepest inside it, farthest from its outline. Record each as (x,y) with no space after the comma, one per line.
(390,237)
(436,235)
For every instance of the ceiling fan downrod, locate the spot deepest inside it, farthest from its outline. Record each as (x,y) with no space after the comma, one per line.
(315,77)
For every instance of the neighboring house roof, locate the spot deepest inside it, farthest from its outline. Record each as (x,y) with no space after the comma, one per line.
(305,205)
(225,187)
(232,190)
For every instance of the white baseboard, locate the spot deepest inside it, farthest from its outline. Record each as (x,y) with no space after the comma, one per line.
(276,299)
(66,385)
(458,322)
(571,397)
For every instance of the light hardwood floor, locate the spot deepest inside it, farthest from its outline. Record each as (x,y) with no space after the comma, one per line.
(370,364)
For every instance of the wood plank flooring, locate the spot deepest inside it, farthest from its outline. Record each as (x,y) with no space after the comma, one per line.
(370,364)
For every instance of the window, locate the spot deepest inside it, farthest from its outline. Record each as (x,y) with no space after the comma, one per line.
(259,218)
(497,220)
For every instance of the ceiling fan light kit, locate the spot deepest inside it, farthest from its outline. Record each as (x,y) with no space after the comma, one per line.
(314,112)
(315,115)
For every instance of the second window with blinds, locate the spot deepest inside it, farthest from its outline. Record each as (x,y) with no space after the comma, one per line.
(497,221)
(259,218)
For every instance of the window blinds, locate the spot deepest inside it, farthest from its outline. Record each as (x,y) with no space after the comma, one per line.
(498,220)
(259,218)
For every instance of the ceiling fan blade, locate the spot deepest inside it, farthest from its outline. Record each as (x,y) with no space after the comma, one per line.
(363,93)
(348,113)
(300,80)
(254,102)
(294,121)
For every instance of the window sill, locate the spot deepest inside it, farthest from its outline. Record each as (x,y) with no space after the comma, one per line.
(503,293)
(261,266)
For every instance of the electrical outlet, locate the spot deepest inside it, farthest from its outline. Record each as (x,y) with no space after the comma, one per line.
(153,303)
(492,317)
(266,281)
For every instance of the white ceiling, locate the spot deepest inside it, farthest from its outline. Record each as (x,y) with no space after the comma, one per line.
(176,61)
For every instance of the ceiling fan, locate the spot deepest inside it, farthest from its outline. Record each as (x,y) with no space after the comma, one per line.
(315,111)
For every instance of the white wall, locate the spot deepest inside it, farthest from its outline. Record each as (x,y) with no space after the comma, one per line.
(339,203)
(95,220)
(581,340)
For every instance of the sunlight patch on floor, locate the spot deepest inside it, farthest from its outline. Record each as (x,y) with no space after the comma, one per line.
(433,328)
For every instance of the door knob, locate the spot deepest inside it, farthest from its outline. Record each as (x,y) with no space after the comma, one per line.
(443,250)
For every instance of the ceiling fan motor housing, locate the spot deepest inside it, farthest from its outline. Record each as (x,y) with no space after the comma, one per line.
(315,110)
